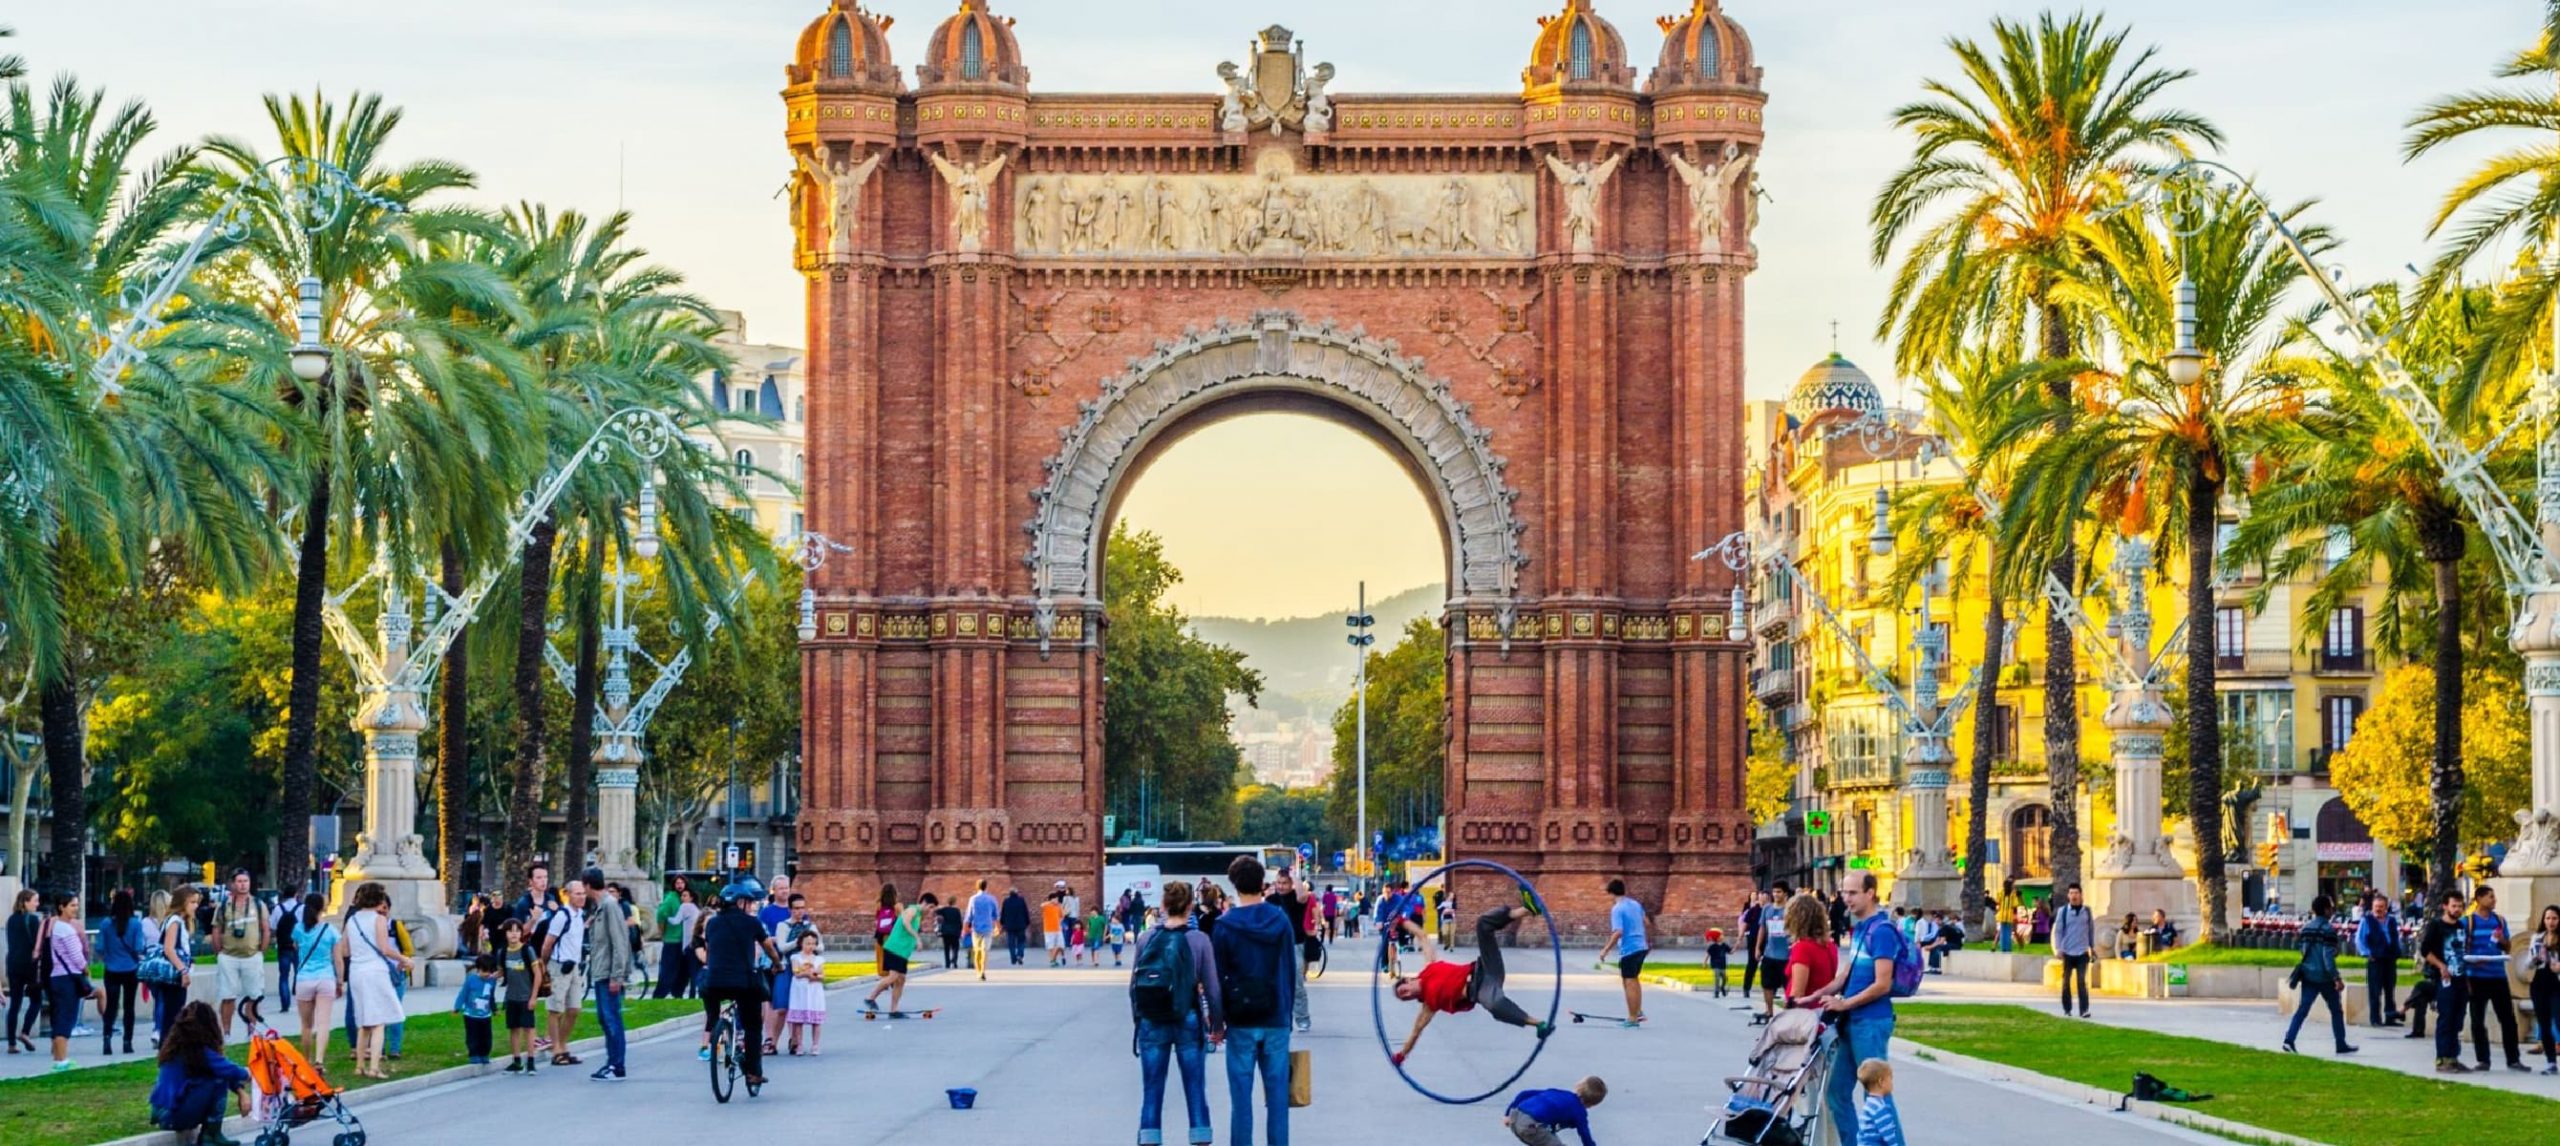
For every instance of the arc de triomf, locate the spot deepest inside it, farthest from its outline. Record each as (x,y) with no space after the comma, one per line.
(1533,299)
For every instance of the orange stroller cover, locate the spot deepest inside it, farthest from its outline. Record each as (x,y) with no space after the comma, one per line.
(277,1068)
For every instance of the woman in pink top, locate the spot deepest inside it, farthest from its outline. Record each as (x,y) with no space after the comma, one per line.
(63,951)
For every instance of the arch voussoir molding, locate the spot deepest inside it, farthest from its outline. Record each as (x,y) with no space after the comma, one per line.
(1275,350)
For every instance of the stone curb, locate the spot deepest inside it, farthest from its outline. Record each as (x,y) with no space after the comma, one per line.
(469,1071)
(2099,1096)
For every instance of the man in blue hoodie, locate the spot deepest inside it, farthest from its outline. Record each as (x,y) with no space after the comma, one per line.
(1254,942)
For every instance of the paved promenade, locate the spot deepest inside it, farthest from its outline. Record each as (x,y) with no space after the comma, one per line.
(1048,1052)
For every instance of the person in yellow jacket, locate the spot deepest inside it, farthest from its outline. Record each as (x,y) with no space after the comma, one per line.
(2008,914)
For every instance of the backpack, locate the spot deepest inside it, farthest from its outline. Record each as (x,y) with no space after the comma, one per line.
(1906,970)
(1162,984)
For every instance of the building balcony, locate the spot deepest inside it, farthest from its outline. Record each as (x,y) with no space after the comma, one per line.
(2335,662)
(2254,662)
(1774,687)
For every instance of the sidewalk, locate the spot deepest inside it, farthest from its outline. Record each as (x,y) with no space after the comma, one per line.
(2261,1026)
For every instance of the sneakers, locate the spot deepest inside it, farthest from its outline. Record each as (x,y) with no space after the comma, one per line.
(516,1066)
(2519,1067)
(64,1065)
(606,1074)
(1631,1024)
(871,1004)
(703,1054)
(1544,1029)
(1529,899)
(2551,1069)
(2346,1049)
(2449,1066)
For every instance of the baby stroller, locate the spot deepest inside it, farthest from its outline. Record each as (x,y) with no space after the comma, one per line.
(293,1094)
(1776,1103)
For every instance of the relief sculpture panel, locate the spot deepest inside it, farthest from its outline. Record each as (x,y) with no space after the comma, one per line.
(1276,213)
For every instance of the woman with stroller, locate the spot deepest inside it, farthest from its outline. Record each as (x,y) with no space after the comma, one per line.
(195,1078)
(315,975)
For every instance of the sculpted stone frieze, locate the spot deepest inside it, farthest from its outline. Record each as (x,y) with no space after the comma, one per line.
(1276,213)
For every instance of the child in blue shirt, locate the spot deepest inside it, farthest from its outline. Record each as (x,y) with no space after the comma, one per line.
(1718,952)
(476,1002)
(1536,1117)
(1878,1123)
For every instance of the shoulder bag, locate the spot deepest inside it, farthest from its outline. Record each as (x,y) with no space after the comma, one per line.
(44,943)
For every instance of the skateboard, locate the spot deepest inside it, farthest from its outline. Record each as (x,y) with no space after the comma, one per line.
(868,1016)
(1579,1016)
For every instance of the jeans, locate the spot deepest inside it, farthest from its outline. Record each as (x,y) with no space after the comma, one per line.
(2381,979)
(609,1017)
(475,1039)
(675,972)
(2075,967)
(2008,937)
(27,989)
(1013,946)
(118,997)
(1264,1050)
(167,999)
(950,952)
(2491,994)
(2325,992)
(2449,1004)
(1161,1045)
(1489,975)
(2546,1024)
(1298,984)
(1860,1039)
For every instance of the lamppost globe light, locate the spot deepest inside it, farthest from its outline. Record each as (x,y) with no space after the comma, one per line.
(1737,625)
(310,359)
(644,542)
(1880,537)
(2186,363)
(808,614)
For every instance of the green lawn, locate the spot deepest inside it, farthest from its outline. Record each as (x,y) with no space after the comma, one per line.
(2312,1096)
(100,1103)
(2214,955)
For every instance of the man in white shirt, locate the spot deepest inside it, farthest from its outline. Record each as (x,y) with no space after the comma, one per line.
(564,951)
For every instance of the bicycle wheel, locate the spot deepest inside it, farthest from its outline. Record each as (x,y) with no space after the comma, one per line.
(1315,967)
(724,1056)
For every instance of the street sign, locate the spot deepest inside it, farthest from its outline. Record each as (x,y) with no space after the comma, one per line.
(1109,822)
(1817,823)
(729,857)
(1337,861)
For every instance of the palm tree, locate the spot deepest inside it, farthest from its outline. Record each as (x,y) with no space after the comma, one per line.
(413,431)
(2145,447)
(2513,195)
(1951,522)
(2018,161)
(605,332)
(2351,492)
(169,468)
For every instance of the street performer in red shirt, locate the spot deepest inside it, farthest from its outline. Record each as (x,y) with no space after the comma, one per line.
(1448,987)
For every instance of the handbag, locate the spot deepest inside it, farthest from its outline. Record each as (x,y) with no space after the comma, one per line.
(1302,1078)
(44,943)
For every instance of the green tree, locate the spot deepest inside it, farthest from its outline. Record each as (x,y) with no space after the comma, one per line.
(2011,169)
(2349,492)
(1268,815)
(2513,195)
(2144,446)
(1169,758)
(739,706)
(1769,778)
(2380,775)
(1408,742)
(414,432)
(146,466)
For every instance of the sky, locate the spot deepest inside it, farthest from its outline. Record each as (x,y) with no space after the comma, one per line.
(670,108)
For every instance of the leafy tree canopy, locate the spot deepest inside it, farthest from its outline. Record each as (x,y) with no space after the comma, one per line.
(2382,772)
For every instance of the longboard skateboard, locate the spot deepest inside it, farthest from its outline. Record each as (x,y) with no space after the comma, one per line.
(868,1016)
(1579,1016)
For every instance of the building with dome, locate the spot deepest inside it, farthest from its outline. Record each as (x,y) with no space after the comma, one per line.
(1811,494)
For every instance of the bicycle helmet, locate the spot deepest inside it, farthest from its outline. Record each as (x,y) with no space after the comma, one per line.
(743,887)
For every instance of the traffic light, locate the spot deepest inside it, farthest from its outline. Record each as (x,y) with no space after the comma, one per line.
(208,872)
(2267,856)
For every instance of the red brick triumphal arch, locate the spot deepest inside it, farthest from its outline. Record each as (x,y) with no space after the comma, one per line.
(1534,299)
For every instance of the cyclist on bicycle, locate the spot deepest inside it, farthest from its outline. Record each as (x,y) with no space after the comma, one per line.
(730,942)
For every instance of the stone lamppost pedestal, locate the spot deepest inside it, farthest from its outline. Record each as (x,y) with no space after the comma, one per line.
(2529,876)
(389,851)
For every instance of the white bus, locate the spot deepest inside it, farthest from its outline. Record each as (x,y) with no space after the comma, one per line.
(1151,865)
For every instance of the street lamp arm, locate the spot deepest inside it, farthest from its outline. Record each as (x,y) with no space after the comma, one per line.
(1741,552)
(2522,555)
(1956,704)
(561,670)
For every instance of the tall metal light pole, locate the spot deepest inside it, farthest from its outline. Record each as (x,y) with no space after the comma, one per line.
(1360,622)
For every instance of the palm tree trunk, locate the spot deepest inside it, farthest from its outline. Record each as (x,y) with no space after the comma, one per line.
(453,739)
(2441,538)
(302,695)
(2204,704)
(1986,746)
(533,628)
(582,711)
(2062,667)
(58,710)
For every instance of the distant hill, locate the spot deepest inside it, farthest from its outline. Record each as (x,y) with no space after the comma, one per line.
(1305,664)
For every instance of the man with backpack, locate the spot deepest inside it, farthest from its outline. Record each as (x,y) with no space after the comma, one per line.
(1174,1000)
(1878,968)
(1254,942)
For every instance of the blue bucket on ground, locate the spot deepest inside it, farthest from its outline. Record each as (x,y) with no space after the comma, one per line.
(962,1098)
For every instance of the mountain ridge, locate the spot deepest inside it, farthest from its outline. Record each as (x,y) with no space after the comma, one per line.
(1306,662)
